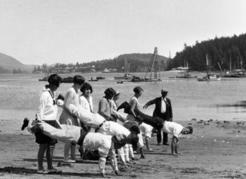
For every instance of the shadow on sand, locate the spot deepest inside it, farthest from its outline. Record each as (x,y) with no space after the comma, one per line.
(58,160)
(25,171)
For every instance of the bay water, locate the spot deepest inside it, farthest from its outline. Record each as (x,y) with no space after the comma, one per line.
(217,100)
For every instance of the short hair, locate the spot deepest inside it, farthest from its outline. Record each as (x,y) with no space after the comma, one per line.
(135,129)
(54,79)
(137,89)
(190,129)
(86,86)
(78,79)
(110,92)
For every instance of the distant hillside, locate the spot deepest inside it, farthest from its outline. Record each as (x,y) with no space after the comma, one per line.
(135,62)
(8,64)
(223,53)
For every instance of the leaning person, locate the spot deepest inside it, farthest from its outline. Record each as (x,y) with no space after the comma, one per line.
(101,125)
(67,115)
(105,144)
(176,130)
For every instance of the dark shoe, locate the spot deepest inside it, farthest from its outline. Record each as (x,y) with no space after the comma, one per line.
(165,143)
(25,123)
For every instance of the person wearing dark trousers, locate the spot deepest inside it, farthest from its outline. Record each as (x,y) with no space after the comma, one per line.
(163,109)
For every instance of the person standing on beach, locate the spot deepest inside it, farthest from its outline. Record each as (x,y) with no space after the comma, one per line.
(163,109)
(47,112)
(68,116)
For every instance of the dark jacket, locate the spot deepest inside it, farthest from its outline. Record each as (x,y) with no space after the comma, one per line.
(166,116)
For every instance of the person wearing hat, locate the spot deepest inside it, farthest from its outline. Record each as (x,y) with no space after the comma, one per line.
(105,106)
(163,109)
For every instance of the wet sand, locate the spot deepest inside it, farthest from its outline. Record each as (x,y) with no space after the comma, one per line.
(215,150)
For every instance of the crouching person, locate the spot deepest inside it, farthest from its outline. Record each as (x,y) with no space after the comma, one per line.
(105,144)
(176,130)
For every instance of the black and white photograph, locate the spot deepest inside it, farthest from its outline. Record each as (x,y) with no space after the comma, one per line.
(123,89)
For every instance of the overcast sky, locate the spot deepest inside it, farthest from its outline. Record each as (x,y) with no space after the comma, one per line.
(70,31)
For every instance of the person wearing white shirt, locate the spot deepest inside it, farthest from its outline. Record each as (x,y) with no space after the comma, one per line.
(67,115)
(47,112)
(86,98)
(105,144)
(176,130)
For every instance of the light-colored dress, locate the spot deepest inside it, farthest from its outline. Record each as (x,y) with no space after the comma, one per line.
(67,115)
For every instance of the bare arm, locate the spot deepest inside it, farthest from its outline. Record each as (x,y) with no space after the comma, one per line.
(149,103)
(133,106)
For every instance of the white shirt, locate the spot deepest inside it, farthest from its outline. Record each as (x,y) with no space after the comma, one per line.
(163,105)
(172,128)
(114,129)
(47,110)
(87,117)
(71,97)
(97,141)
(86,103)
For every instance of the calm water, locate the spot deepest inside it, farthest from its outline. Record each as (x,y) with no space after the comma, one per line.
(19,97)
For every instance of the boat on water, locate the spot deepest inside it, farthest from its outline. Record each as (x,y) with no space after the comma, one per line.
(68,79)
(209,76)
(184,72)
(126,77)
(153,74)
(120,82)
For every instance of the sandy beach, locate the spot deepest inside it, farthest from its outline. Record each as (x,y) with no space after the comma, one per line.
(215,150)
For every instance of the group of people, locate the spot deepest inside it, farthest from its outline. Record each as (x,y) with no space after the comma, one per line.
(106,133)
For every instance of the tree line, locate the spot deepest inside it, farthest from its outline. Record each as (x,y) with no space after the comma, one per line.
(224,53)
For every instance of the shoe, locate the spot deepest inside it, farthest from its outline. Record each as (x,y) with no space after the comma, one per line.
(165,143)
(54,170)
(42,171)
(69,161)
(25,123)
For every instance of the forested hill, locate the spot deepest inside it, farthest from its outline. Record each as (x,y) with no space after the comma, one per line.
(135,62)
(221,53)
(9,64)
